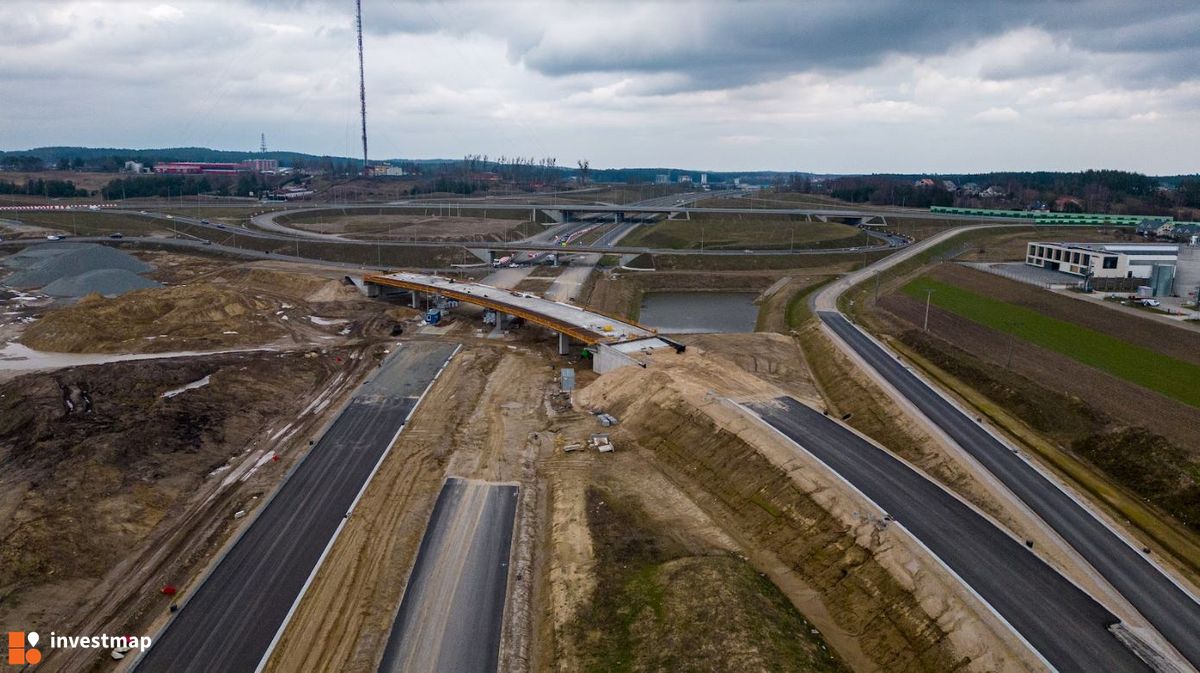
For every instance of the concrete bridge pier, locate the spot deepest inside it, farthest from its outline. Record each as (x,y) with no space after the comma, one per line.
(415,299)
(564,344)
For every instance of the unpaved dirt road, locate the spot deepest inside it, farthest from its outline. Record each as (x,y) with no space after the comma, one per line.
(451,616)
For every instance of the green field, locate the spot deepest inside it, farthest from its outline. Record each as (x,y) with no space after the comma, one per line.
(1166,375)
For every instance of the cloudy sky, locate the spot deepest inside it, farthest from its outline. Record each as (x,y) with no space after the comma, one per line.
(839,86)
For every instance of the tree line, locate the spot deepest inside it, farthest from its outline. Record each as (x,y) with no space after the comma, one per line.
(51,189)
(166,186)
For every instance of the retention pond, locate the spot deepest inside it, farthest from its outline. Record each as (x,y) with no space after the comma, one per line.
(699,312)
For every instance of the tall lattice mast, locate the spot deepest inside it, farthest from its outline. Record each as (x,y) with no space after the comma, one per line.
(362,84)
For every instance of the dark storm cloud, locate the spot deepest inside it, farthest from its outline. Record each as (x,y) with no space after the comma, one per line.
(715,45)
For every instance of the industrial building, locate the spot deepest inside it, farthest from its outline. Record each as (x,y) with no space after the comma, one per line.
(201,167)
(1152,263)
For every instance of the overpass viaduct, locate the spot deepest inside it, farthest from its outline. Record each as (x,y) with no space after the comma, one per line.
(569,321)
(563,211)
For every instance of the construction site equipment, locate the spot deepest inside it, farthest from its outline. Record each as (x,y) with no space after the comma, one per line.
(601,443)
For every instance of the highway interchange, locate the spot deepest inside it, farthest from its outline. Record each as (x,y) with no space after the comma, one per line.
(1068,629)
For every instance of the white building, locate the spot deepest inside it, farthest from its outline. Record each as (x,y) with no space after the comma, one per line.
(704,178)
(662,179)
(685,179)
(1102,260)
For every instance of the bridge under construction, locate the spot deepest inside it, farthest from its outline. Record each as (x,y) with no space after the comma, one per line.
(612,337)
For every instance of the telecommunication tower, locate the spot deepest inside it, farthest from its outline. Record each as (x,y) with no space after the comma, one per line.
(362,84)
(262,147)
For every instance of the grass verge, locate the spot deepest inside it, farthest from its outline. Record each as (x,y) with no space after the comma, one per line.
(798,311)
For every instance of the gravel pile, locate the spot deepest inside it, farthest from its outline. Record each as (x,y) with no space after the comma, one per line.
(108,282)
(47,263)
(35,254)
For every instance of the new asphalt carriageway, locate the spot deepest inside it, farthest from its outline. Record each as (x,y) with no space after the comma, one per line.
(232,620)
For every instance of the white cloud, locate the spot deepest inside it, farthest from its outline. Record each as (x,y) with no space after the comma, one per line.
(997,114)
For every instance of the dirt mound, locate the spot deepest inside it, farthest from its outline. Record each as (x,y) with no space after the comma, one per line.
(187,317)
(71,260)
(774,357)
(299,286)
(904,612)
(655,603)
(105,282)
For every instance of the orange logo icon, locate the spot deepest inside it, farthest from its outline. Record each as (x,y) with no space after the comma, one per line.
(18,653)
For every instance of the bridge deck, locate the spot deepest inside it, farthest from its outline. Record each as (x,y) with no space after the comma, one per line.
(586,326)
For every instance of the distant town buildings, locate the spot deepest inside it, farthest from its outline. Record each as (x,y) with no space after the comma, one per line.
(685,179)
(200,167)
(704,178)
(261,165)
(135,167)
(662,179)
(386,169)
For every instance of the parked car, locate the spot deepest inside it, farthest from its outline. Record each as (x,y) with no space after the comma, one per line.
(116,234)
(1151,302)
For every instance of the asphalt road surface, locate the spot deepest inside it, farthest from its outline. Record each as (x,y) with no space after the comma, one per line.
(230,621)
(1173,612)
(1062,622)
(453,608)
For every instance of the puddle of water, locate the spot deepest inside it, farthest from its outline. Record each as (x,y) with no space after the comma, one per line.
(18,357)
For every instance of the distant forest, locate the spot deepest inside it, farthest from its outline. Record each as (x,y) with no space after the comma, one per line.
(1093,191)
(1090,191)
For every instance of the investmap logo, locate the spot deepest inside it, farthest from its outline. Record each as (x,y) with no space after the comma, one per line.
(22,648)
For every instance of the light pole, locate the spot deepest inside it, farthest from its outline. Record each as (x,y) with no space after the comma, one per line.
(928,296)
(1012,340)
